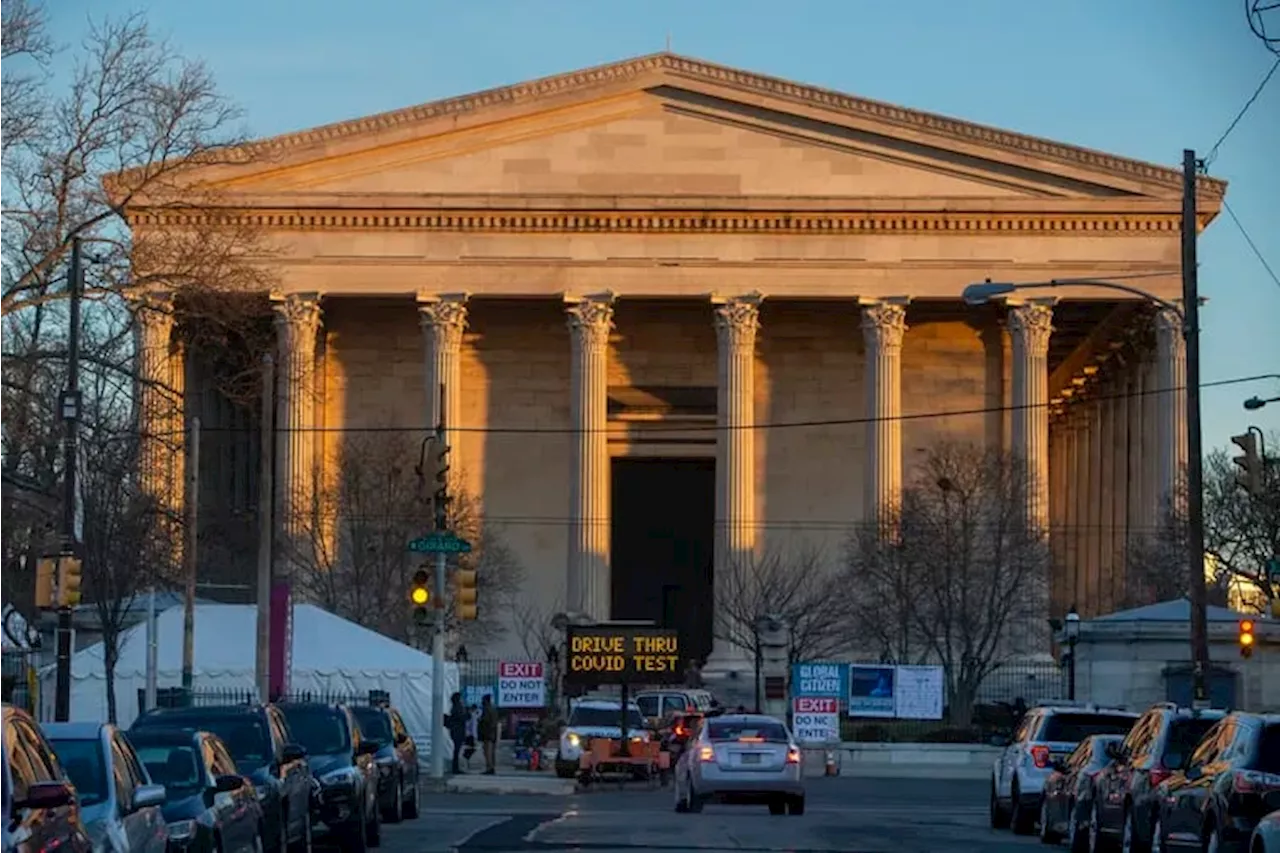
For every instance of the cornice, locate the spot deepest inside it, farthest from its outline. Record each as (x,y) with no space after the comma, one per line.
(672,222)
(757,84)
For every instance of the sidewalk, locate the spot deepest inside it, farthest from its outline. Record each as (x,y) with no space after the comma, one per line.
(511,782)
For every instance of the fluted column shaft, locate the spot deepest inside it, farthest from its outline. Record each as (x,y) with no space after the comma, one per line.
(297,318)
(884,325)
(161,386)
(1031,325)
(1171,380)
(590,322)
(444,320)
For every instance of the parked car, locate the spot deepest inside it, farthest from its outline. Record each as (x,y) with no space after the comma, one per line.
(342,760)
(211,807)
(1044,735)
(594,718)
(258,738)
(741,759)
(1127,798)
(1266,835)
(1218,794)
(657,705)
(118,801)
(1067,800)
(677,730)
(40,808)
(397,760)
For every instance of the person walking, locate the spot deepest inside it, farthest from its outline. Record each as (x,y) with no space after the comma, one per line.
(456,722)
(488,729)
(473,733)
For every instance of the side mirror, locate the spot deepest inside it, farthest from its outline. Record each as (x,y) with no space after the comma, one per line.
(369,747)
(146,796)
(227,784)
(47,795)
(293,752)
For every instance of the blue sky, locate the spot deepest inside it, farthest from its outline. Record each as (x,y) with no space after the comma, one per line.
(1139,78)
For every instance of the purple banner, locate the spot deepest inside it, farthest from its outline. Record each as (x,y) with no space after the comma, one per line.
(280,659)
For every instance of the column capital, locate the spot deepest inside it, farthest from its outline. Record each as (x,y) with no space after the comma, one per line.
(1031,321)
(1169,321)
(295,310)
(444,314)
(590,318)
(737,318)
(884,321)
(147,302)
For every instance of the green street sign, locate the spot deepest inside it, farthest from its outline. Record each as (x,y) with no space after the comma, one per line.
(1273,570)
(440,542)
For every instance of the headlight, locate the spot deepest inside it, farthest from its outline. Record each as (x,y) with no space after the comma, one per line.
(572,739)
(182,830)
(343,776)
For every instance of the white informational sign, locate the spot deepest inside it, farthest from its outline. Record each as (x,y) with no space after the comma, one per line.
(918,693)
(815,719)
(521,684)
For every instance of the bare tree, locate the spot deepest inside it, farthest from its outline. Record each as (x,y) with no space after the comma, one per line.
(355,561)
(795,584)
(533,627)
(961,573)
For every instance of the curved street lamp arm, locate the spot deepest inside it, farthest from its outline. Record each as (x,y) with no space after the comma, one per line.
(1109,285)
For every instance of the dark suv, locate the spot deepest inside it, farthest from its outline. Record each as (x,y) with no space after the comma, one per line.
(1219,797)
(397,760)
(342,760)
(1125,798)
(258,738)
(40,811)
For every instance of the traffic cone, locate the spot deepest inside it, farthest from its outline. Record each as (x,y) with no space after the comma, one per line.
(832,769)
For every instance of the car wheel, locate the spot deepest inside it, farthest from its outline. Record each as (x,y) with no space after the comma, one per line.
(999,817)
(778,806)
(795,807)
(411,803)
(395,812)
(1047,835)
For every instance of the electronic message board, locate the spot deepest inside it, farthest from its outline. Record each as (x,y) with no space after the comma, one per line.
(622,654)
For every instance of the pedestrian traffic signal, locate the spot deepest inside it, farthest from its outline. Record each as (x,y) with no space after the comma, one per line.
(1246,638)
(46,581)
(69,577)
(1250,463)
(465,594)
(420,589)
(438,466)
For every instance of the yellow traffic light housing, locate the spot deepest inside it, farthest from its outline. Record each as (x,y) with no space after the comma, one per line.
(1246,638)
(466,594)
(69,578)
(46,581)
(420,589)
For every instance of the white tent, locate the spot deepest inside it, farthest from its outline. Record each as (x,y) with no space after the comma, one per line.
(330,655)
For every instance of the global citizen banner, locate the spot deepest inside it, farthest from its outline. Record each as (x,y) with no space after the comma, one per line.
(521,684)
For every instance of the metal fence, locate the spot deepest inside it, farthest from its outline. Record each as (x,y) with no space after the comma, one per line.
(20,679)
(198,697)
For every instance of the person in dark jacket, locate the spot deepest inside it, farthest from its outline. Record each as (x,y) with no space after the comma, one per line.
(456,722)
(489,734)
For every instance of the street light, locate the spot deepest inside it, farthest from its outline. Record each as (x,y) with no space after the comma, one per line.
(1255,403)
(1072,631)
(978,294)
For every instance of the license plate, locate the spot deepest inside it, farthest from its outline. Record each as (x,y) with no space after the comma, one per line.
(751,758)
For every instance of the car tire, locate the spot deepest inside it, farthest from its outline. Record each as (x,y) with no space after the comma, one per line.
(795,806)
(778,806)
(999,817)
(1047,835)
(395,812)
(411,803)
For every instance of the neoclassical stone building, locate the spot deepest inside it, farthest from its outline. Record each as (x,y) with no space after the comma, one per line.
(666,259)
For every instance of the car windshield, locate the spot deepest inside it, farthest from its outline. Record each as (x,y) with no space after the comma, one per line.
(322,731)
(1073,728)
(1185,734)
(373,723)
(1099,755)
(245,736)
(604,718)
(750,731)
(173,765)
(1269,750)
(82,760)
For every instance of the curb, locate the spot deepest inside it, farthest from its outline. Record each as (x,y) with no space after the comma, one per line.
(507,785)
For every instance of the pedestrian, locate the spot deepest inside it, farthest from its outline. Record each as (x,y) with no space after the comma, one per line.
(456,722)
(488,730)
(473,732)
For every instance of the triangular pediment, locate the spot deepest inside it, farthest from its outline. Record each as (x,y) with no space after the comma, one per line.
(673,127)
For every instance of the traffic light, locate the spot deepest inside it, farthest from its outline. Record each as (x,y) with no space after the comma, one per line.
(438,466)
(69,577)
(1246,638)
(46,581)
(1250,463)
(465,594)
(420,589)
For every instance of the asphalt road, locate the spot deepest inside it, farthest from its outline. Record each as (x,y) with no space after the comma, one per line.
(844,815)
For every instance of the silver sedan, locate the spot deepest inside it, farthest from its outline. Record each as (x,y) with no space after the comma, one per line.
(741,759)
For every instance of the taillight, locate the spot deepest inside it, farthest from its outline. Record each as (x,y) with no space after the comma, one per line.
(681,731)
(793,756)
(1040,755)
(1158,775)
(707,754)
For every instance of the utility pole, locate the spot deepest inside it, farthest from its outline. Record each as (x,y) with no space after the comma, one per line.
(189,554)
(266,493)
(153,667)
(1195,450)
(70,462)
(437,640)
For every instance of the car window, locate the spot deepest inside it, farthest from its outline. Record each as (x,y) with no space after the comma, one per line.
(674,703)
(1188,736)
(748,731)
(1024,728)
(19,760)
(648,705)
(1080,756)
(398,725)
(85,767)
(280,732)
(44,764)
(174,765)
(1268,754)
(132,764)
(320,730)
(373,723)
(1141,734)
(1073,728)
(226,764)
(244,734)
(125,781)
(603,718)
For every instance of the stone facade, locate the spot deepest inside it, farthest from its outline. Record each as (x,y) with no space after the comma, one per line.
(669,223)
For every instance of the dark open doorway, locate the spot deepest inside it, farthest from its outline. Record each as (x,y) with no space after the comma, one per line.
(663,519)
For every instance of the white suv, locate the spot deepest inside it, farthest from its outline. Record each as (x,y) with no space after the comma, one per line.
(595,718)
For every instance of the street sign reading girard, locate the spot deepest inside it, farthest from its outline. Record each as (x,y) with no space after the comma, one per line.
(440,542)
(622,654)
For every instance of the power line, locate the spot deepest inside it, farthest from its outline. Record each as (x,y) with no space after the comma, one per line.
(1213,152)
(1257,253)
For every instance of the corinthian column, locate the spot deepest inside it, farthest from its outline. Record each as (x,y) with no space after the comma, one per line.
(884,325)
(590,321)
(1171,431)
(297,319)
(444,319)
(737,321)
(159,400)
(1031,324)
